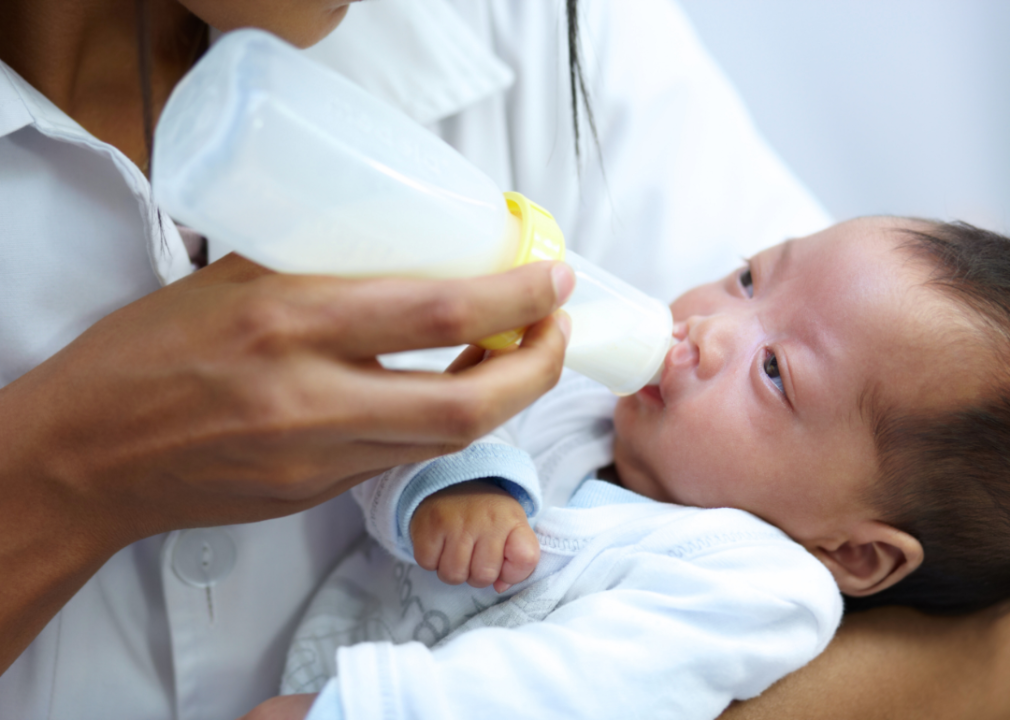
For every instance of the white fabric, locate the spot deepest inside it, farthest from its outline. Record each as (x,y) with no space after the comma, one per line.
(638,609)
(453,64)
(690,186)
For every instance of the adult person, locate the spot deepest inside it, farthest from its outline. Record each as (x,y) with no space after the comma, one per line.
(230,395)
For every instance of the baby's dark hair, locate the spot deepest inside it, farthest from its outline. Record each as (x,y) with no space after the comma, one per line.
(944,477)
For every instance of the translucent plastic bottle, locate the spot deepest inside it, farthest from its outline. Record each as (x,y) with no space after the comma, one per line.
(295,167)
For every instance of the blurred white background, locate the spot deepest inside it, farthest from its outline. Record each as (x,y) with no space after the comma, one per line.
(881,106)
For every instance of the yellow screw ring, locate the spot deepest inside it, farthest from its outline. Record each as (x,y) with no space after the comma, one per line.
(540,238)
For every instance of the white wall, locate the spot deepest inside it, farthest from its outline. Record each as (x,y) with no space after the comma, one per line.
(881,106)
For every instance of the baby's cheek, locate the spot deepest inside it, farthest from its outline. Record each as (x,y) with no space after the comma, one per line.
(636,471)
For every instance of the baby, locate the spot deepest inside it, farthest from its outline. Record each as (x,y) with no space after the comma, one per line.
(835,417)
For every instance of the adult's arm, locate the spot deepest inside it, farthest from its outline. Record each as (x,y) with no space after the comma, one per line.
(236,395)
(897,664)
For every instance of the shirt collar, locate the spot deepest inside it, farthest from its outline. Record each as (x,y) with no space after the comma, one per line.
(15,112)
(21,105)
(27,106)
(419,55)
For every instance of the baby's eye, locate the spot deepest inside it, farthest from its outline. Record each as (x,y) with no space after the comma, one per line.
(771,368)
(747,282)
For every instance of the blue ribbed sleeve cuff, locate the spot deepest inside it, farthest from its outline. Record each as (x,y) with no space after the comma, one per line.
(508,467)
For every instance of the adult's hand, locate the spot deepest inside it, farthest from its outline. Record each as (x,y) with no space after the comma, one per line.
(237,395)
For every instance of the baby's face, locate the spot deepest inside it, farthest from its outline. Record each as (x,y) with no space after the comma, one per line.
(766,402)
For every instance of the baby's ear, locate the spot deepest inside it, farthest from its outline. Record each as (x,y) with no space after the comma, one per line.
(873,557)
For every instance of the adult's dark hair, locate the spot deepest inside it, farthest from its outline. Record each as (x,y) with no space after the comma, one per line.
(576,78)
(577,83)
(945,476)
(189,49)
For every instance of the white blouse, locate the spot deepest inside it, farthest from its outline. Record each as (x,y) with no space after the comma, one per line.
(195,624)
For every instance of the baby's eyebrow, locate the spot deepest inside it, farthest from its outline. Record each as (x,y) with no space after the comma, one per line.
(769,265)
(785,256)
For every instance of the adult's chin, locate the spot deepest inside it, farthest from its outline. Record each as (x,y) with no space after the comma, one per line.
(302,23)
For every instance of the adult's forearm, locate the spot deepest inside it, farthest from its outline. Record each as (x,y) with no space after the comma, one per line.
(897,664)
(47,551)
(41,571)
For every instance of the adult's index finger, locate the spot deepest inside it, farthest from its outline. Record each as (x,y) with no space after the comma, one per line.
(371,317)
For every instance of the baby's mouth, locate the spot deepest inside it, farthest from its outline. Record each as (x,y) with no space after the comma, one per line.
(653,392)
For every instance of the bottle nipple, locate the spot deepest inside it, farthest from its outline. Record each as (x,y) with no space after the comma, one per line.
(658,376)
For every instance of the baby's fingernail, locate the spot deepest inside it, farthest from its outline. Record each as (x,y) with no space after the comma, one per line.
(564,321)
(500,588)
(563,278)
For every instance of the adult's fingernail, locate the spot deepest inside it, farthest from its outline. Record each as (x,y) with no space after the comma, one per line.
(563,278)
(564,321)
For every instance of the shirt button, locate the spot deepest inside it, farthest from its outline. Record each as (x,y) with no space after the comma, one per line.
(204,557)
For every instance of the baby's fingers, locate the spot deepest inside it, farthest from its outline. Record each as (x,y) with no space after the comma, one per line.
(427,547)
(454,565)
(488,556)
(522,553)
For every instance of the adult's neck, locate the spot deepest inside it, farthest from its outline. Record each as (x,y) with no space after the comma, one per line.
(84,56)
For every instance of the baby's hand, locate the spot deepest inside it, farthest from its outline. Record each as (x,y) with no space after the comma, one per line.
(476,533)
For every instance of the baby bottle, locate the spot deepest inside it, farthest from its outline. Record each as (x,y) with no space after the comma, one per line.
(295,167)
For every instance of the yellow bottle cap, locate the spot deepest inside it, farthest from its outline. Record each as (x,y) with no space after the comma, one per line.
(540,238)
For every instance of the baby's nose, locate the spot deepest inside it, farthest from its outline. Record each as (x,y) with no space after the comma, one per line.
(715,337)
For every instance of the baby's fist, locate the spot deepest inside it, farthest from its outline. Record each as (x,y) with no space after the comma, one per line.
(476,533)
